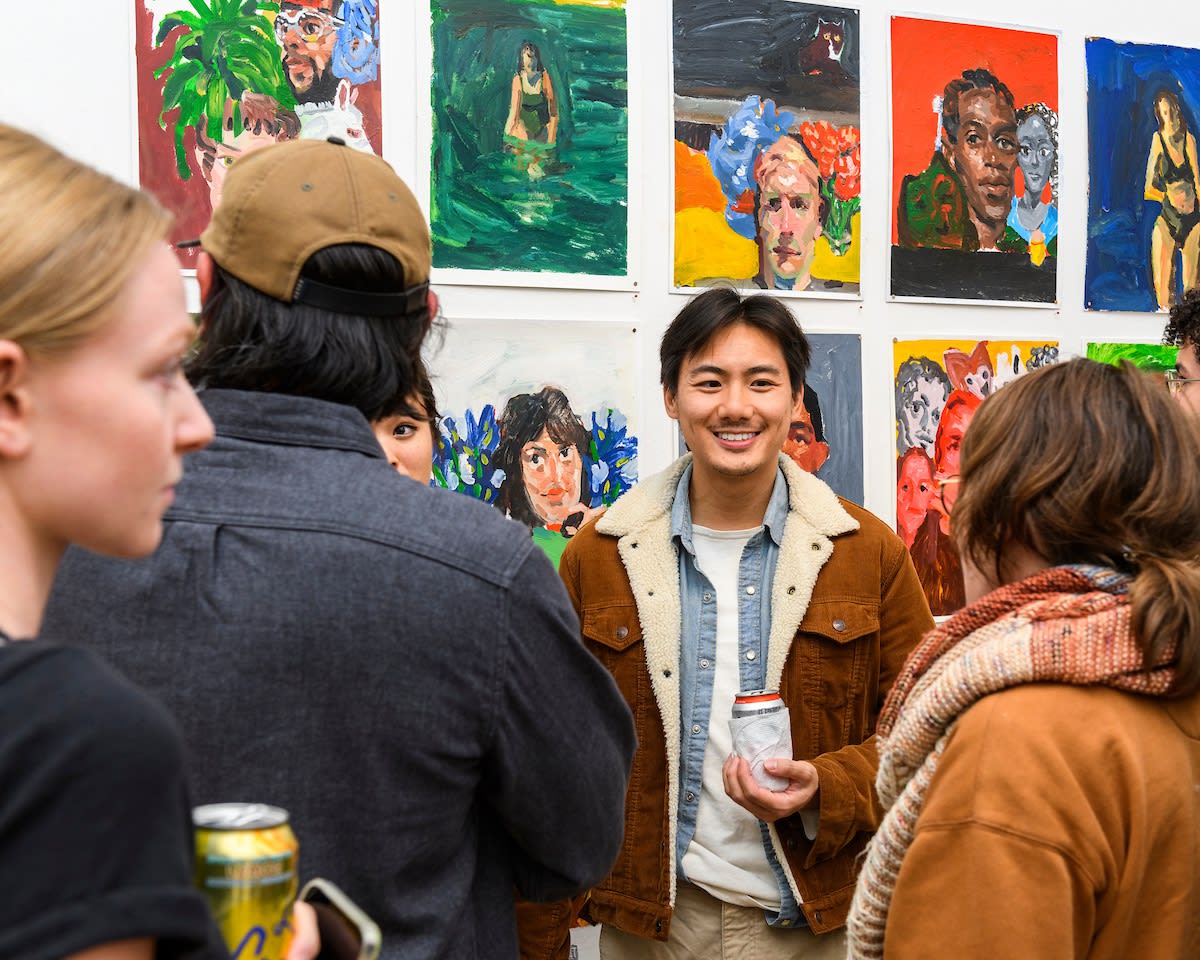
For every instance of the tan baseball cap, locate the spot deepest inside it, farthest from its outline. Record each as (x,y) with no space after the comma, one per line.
(283,203)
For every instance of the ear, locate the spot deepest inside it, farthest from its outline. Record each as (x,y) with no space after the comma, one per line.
(670,403)
(204,275)
(15,401)
(979,356)
(958,365)
(797,405)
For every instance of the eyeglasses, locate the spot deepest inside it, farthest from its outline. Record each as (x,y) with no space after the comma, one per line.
(1175,383)
(943,483)
(312,25)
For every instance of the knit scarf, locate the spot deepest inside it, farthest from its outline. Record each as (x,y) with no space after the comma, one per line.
(1063,625)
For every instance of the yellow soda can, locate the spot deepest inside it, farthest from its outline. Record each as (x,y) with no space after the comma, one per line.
(247,867)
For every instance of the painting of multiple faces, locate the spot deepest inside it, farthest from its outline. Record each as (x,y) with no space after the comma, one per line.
(939,385)
(529,171)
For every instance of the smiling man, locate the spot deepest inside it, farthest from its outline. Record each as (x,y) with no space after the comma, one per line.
(736,570)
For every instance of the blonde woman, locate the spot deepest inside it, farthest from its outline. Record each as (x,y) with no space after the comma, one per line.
(95,417)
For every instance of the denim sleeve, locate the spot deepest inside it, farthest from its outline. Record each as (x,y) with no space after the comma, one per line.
(563,743)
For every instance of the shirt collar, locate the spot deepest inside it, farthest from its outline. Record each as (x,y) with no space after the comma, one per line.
(278,418)
(773,520)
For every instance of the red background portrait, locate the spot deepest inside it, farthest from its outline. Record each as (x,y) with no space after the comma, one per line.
(926,54)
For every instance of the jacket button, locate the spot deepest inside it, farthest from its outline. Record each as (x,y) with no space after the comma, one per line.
(839,625)
(622,633)
(791,590)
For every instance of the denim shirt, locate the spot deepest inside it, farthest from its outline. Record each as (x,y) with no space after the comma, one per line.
(697,658)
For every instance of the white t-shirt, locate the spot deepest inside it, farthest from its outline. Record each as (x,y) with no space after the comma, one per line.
(726,855)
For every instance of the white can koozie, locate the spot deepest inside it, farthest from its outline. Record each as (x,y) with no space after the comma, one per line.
(761,729)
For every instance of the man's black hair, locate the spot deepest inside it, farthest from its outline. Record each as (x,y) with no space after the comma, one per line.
(978,79)
(250,341)
(720,308)
(812,403)
(1184,322)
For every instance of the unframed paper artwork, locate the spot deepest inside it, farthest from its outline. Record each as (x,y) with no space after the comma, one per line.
(537,420)
(767,145)
(833,401)
(939,384)
(974,162)
(1143,245)
(217,79)
(1155,358)
(530,155)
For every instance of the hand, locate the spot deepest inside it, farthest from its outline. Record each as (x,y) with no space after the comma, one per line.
(259,112)
(771,805)
(306,941)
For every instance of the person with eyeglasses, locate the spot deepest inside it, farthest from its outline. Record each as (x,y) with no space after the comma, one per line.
(307,34)
(1183,330)
(1039,752)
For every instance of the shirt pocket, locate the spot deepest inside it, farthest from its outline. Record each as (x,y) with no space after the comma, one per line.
(841,621)
(614,636)
(841,636)
(615,627)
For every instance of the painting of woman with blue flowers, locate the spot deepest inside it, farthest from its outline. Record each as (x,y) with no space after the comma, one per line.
(549,454)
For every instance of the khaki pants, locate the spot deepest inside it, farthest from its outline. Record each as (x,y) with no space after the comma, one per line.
(704,928)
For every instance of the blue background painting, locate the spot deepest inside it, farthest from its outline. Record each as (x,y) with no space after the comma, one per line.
(1122,81)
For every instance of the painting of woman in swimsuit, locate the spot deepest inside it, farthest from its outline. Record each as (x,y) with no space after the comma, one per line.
(1172,174)
(532,123)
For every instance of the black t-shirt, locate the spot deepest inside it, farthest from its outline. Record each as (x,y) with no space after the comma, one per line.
(95,819)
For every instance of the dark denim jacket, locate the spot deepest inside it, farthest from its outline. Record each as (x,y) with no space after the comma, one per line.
(397,666)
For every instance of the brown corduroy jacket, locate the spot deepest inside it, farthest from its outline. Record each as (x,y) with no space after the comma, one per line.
(846,608)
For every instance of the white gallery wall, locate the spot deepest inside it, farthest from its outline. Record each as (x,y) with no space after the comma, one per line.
(71,81)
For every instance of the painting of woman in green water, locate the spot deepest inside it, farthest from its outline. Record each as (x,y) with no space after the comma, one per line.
(529,157)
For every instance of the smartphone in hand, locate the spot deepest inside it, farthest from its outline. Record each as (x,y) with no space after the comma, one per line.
(347,933)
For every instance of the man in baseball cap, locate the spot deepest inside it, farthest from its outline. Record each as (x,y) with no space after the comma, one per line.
(398,667)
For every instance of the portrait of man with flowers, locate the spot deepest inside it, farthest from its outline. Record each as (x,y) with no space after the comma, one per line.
(768,148)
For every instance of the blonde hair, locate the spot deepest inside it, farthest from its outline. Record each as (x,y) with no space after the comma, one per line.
(785,153)
(70,238)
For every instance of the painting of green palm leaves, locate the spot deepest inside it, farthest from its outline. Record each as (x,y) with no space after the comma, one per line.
(220,49)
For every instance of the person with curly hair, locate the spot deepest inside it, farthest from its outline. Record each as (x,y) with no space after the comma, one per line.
(1183,331)
(1034,219)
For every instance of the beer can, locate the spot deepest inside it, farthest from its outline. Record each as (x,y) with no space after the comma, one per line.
(762,730)
(247,868)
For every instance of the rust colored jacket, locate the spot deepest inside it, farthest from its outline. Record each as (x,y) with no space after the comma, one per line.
(846,608)
(1062,822)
